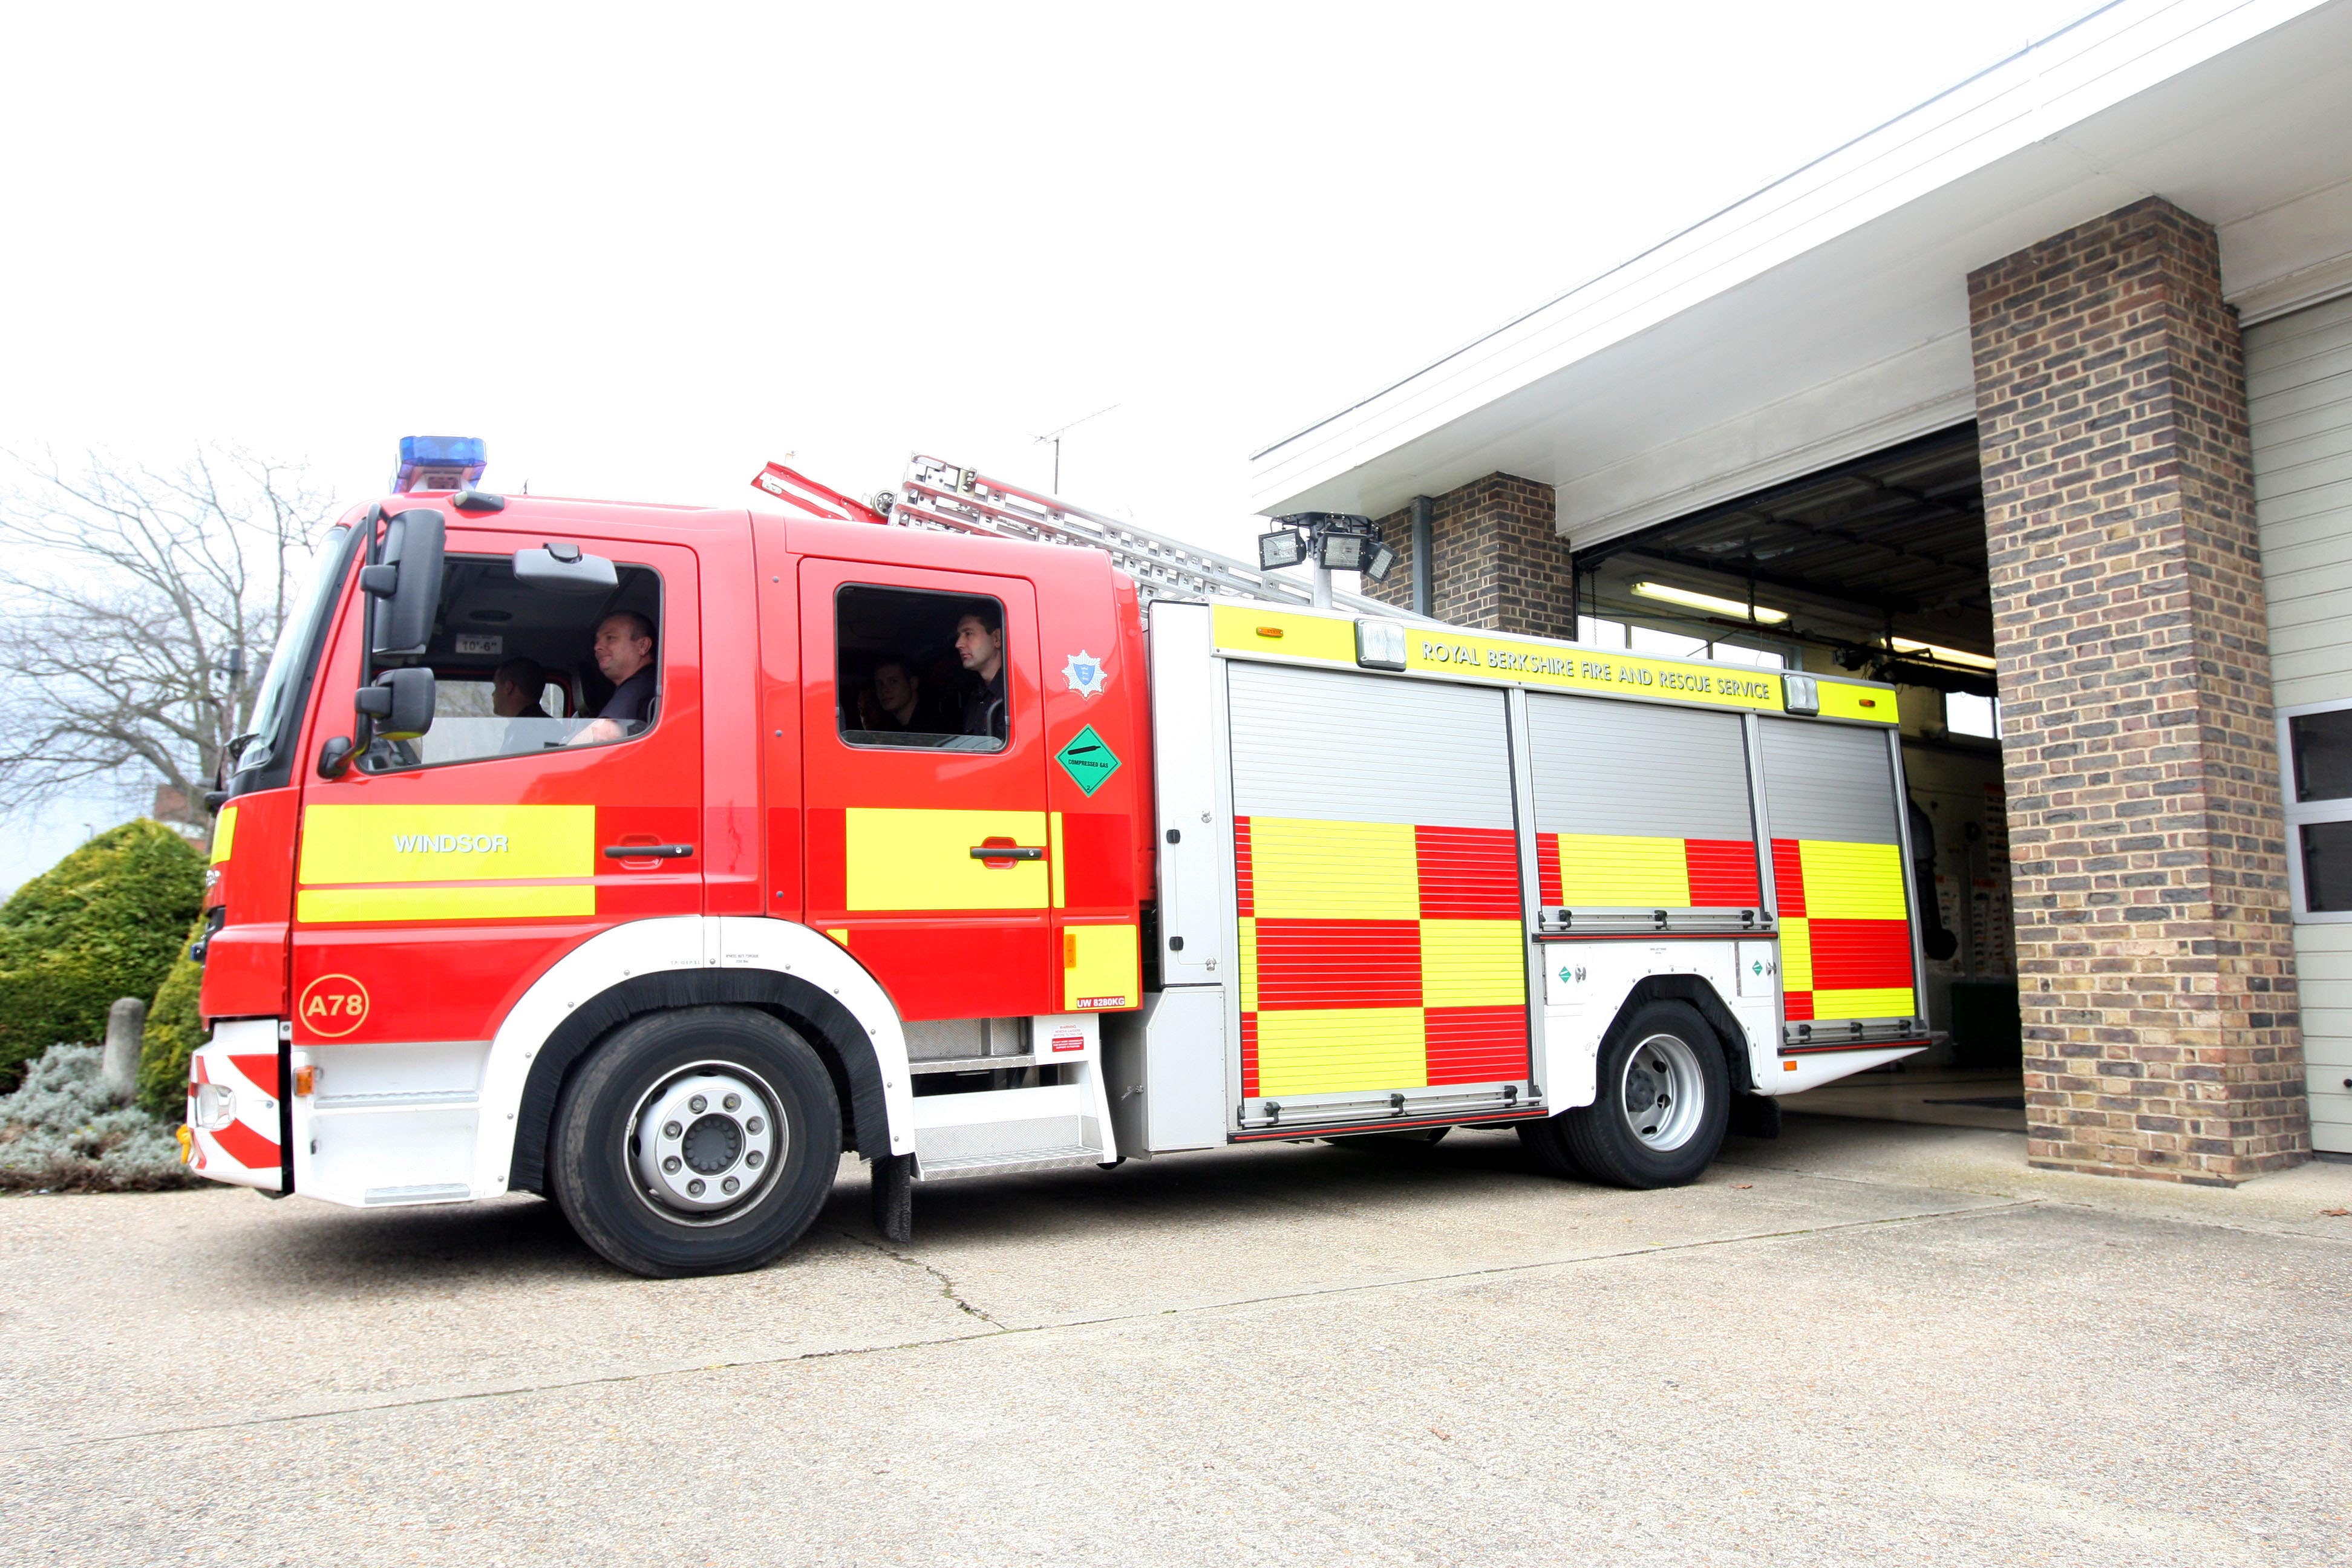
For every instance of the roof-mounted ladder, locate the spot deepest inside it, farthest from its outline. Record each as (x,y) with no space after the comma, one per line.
(939,494)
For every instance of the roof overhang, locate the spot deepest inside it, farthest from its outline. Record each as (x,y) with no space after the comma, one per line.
(1826,317)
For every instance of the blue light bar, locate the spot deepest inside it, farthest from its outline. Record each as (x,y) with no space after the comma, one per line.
(439,463)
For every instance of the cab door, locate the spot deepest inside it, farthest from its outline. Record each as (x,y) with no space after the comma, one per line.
(436,881)
(899,824)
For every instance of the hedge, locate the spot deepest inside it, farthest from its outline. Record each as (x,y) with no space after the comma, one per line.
(174,1030)
(105,921)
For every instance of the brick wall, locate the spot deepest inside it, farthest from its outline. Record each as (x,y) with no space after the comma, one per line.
(1499,563)
(2155,955)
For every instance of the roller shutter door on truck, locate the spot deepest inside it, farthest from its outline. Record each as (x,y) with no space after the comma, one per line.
(1381,926)
(1837,872)
(1640,808)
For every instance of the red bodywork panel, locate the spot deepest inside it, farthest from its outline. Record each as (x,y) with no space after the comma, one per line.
(743,763)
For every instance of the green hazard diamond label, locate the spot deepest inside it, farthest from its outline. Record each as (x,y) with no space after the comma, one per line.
(1087,760)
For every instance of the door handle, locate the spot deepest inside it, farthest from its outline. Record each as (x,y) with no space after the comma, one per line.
(1007,852)
(647,851)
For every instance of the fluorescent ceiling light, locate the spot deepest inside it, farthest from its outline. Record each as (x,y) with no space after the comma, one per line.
(1946,654)
(1698,601)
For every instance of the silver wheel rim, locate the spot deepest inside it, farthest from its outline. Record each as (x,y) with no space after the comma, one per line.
(1660,1092)
(705,1144)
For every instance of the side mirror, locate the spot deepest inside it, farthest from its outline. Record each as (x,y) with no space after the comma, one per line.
(563,569)
(407,576)
(400,703)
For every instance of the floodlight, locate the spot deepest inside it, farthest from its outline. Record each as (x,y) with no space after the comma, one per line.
(1283,547)
(1343,552)
(1382,563)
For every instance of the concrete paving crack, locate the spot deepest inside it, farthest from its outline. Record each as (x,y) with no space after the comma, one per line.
(998,1330)
(947,1285)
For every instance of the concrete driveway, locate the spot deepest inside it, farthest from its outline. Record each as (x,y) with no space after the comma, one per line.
(1862,1342)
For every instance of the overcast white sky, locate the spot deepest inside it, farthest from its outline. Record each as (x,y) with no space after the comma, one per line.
(642,250)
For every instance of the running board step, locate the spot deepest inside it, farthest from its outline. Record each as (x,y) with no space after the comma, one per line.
(950,1168)
(1005,1130)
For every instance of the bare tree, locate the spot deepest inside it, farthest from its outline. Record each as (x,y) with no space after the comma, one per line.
(137,606)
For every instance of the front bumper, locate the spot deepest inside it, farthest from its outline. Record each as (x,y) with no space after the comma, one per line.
(234,1109)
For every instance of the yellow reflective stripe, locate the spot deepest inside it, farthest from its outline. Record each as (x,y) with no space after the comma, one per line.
(1473,964)
(223,831)
(1331,1051)
(1853,881)
(1894,1003)
(331,906)
(1796,955)
(1302,869)
(1102,967)
(1249,964)
(914,859)
(1844,699)
(1607,870)
(446,843)
(838,934)
(1236,626)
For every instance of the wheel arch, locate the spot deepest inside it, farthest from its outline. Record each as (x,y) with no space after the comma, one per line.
(1702,995)
(820,1019)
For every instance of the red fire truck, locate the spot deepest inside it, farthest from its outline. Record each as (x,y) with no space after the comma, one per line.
(651,857)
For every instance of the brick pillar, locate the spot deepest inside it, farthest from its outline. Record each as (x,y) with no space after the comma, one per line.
(2155,952)
(1499,561)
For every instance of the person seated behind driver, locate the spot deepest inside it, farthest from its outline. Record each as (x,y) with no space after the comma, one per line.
(515,687)
(980,646)
(894,702)
(625,653)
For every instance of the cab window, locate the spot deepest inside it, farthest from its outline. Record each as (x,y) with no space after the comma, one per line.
(517,672)
(921,671)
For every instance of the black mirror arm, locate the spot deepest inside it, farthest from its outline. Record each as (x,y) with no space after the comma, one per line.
(335,756)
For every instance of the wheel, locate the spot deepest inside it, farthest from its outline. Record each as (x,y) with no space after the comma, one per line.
(1659,1117)
(701,1140)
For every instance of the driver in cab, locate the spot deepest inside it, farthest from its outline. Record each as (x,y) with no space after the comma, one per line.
(624,650)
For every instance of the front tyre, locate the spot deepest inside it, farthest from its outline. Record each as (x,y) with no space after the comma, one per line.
(1662,1105)
(702,1141)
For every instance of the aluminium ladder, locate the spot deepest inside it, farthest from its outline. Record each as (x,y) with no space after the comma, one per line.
(939,494)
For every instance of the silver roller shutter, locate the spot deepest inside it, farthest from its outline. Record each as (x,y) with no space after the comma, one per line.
(1829,781)
(2299,394)
(1633,769)
(1331,746)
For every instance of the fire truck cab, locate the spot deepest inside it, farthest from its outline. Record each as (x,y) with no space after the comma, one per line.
(817,836)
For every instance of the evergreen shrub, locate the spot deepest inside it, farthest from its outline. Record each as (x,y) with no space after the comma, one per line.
(105,921)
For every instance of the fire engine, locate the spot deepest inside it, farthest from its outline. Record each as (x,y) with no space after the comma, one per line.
(652,857)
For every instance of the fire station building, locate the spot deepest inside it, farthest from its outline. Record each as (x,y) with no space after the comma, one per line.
(2037,402)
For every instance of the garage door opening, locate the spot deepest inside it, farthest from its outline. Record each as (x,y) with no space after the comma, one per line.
(1874,567)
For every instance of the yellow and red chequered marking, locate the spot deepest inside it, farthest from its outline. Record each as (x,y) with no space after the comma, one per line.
(1604,870)
(1378,956)
(1845,930)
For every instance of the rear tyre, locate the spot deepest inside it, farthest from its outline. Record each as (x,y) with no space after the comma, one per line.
(701,1140)
(1658,1119)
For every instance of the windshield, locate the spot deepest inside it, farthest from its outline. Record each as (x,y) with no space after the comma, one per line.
(276,707)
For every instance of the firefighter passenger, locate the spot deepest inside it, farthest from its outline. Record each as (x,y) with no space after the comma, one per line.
(625,653)
(980,646)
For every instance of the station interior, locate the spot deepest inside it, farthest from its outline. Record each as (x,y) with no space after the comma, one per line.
(1875,566)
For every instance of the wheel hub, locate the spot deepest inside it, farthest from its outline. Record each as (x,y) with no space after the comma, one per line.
(1662,1093)
(705,1141)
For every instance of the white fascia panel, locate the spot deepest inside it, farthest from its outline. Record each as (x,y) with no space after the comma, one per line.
(2121,50)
